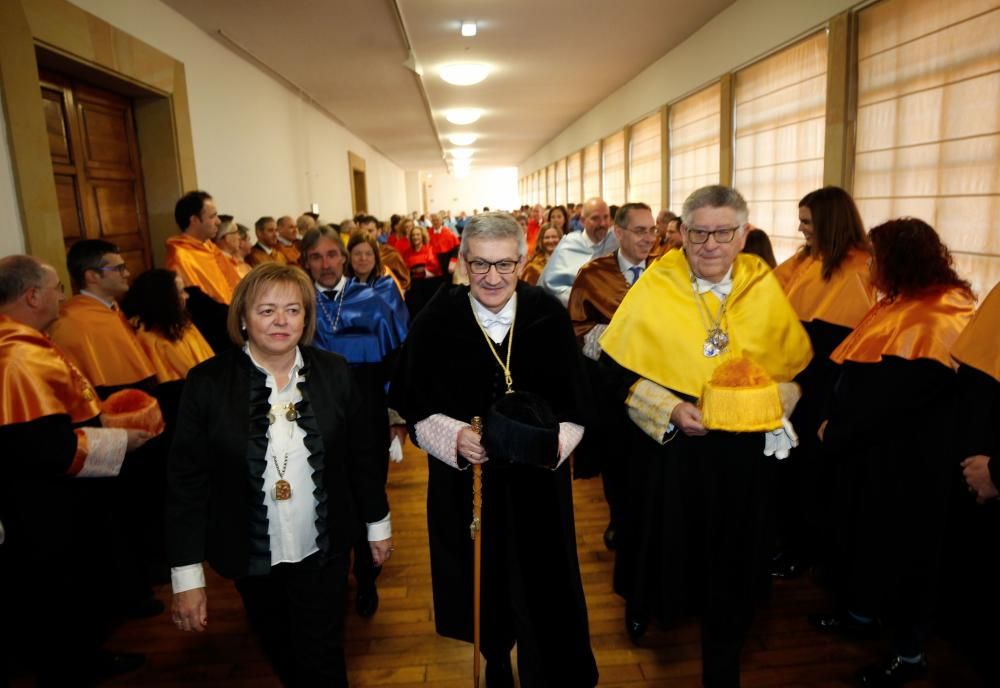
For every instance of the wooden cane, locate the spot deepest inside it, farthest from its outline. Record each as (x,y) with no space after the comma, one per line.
(476,531)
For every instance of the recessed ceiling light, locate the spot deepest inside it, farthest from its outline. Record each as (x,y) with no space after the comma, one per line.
(468,28)
(461,164)
(461,153)
(463,115)
(462,139)
(464,73)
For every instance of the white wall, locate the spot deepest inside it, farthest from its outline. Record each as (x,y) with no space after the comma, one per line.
(260,149)
(494,187)
(11,234)
(739,34)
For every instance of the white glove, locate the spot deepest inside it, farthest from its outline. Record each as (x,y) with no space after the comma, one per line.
(591,347)
(396,450)
(779,443)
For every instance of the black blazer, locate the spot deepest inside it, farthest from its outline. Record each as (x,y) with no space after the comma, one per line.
(215,500)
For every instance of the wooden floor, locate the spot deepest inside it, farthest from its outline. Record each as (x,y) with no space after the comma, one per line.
(398,647)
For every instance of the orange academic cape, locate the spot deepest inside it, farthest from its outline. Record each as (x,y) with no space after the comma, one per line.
(393,260)
(259,256)
(979,344)
(533,270)
(921,326)
(844,300)
(100,343)
(36,380)
(290,252)
(202,264)
(172,360)
(597,292)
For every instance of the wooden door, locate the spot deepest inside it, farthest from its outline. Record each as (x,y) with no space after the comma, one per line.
(95,159)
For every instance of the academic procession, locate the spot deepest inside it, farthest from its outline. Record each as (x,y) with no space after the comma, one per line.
(565,345)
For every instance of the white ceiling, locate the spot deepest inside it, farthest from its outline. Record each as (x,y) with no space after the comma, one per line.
(552,61)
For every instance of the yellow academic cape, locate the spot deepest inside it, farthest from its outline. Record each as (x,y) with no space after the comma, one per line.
(843,300)
(171,359)
(100,342)
(36,380)
(910,327)
(658,332)
(979,344)
(202,264)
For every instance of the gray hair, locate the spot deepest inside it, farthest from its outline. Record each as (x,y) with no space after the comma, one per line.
(495,225)
(715,196)
(18,274)
(226,227)
(312,237)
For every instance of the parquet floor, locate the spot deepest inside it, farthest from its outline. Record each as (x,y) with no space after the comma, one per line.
(399,648)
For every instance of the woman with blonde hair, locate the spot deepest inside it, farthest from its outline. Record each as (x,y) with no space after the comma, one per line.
(546,243)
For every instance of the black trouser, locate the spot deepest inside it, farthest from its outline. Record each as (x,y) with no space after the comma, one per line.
(364,569)
(297,613)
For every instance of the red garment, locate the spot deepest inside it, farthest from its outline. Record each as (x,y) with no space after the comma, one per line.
(425,257)
(532,236)
(442,240)
(401,244)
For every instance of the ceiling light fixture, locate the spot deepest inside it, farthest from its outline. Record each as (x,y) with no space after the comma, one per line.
(461,164)
(461,153)
(464,73)
(462,139)
(463,115)
(468,28)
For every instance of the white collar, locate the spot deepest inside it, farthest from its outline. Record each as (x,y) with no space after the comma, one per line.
(110,304)
(293,374)
(625,265)
(284,242)
(338,287)
(267,249)
(496,324)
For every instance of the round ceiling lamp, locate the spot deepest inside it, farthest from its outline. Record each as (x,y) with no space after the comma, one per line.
(463,115)
(462,139)
(464,73)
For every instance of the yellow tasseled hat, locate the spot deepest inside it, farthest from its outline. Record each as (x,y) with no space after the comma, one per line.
(741,397)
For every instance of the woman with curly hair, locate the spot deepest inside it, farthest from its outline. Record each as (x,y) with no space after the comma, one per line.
(156,304)
(828,285)
(891,422)
(546,243)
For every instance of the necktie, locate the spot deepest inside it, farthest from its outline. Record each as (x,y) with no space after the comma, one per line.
(636,270)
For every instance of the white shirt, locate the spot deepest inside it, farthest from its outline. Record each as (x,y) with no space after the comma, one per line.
(110,304)
(497,325)
(626,267)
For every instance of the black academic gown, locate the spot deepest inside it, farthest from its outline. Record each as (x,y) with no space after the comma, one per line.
(891,432)
(531,587)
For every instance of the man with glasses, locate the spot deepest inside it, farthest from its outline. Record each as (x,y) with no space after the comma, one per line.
(703,348)
(507,341)
(597,292)
(577,248)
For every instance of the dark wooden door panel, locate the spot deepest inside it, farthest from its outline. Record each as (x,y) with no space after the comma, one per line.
(117,211)
(69,207)
(55,124)
(105,135)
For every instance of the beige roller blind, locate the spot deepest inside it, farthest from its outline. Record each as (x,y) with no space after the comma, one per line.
(928,128)
(644,169)
(694,143)
(591,171)
(533,190)
(574,178)
(561,182)
(613,169)
(550,185)
(780,130)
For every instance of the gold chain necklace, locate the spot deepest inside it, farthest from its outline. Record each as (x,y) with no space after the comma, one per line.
(717,339)
(282,488)
(510,345)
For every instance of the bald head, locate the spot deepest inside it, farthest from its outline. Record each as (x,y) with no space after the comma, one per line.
(30,291)
(596,219)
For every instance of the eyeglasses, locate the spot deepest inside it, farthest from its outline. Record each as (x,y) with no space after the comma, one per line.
(722,236)
(481,267)
(120,268)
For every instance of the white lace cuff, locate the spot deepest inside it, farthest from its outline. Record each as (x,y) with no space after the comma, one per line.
(570,435)
(438,436)
(106,452)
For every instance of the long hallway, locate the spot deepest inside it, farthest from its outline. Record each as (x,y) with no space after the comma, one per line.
(398,647)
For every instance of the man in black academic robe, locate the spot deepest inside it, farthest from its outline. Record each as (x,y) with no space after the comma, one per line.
(531,588)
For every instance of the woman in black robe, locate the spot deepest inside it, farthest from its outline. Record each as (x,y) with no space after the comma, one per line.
(531,588)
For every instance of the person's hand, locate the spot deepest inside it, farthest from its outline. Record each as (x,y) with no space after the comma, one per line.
(976,470)
(687,417)
(468,446)
(397,431)
(822,430)
(381,550)
(189,610)
(136,438)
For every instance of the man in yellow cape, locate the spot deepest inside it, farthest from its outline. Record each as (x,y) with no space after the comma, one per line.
(705,347)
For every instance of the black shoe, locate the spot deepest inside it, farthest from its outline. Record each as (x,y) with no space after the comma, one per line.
(499,673)
(367,602)
(610,537)
(635,626)
(146,609)
(109,664)
(844,624)
(892,672)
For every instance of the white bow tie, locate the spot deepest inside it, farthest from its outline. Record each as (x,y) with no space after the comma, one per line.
(720,288)
(502,321)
